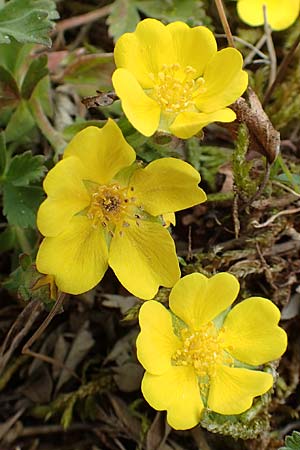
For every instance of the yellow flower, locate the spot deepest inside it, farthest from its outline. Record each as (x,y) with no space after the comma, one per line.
(172,78)
(104,210)
(194,361)
(280,14)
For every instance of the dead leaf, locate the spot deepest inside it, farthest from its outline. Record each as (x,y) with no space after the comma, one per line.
(263,136)
(19,330)
(80,347)
(128,377)
(158,433)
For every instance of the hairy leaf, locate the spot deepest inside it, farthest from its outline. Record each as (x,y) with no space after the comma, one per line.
(25,169)
(27,21)
(191,11)
(123,18)
(20,204)
(292,442)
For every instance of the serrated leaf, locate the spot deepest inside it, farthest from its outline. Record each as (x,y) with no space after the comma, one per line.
(20,204)
(25,168)
(37,70)
(123,18)
(191,11)
(292,442)
(27,21)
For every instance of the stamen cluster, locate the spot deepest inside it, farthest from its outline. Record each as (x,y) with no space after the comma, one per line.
(202,349)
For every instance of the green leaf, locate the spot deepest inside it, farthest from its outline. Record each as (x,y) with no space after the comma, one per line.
(3,153)
(25,168)
(9,91)
(191,11)
(7,239)
(20,124)
(42,93)
(27,21)
(292,442)
(123,18)
(37,70)
(20,204)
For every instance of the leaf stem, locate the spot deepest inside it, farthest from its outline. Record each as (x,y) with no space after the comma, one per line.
(52,136)
(23,240)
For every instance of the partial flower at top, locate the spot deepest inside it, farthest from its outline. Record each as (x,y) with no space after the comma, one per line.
(280,14)
(172,78)
(199,355)
(102,209)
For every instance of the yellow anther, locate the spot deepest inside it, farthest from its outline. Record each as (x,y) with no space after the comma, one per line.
(109,206)
(174,88)
(202,350)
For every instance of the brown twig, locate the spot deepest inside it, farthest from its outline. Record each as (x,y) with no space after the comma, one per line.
(275,216)
(82,19)
(26,349)
(225,24)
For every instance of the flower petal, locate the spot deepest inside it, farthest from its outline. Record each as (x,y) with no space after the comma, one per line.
(142,111)
(77,257)
(67,196)
(187,124)
(251,333)
(145,51)
(232,389)
(280,15)
(169,219)
(176,391)
(197,299)
(186,40)
(143,257)
(102,151)
(156,342)
(225,81)
(167,185)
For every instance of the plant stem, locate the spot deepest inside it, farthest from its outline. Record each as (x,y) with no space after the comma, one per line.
(22,240)
(52,136)
(223,18)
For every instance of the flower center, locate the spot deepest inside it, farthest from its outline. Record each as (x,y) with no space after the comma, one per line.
(175,88)
(110,205)
(202,350)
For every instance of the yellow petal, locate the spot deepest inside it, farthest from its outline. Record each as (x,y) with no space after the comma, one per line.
(187,124)
(197,299)
(186,40)
(177,392)
(102,151)
(67,196)
(156,343)
(251,333)
(167,185)
(232,390)
(169,219)
(225,81)
(280,15)
(145,51)
(77,257)
(141,110)
(143,257)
